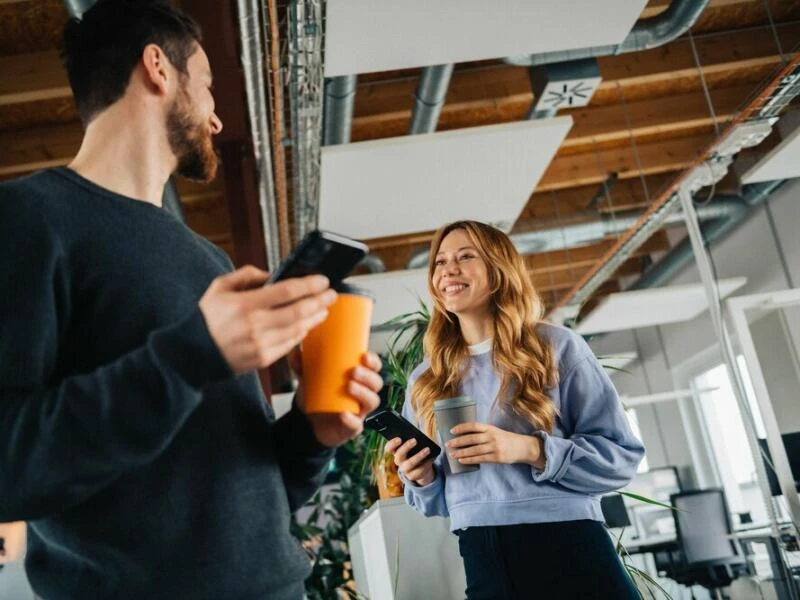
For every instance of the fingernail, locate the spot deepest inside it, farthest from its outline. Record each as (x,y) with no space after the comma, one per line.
(425,451)
(413,442)
(329,297)
(321,316)
(320,281)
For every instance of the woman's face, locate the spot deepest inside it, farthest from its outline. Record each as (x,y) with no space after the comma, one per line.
(460,276)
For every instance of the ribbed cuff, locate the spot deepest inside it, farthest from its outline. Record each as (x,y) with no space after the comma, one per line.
(188,349)
(301,432)
(555,452)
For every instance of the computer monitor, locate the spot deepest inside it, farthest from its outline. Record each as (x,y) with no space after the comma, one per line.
(614,512)
(791,441)
(658,484)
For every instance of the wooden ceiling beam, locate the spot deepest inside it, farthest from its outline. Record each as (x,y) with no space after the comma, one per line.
(560,279)
(646,159)
(383,109)
(626,194)
(544,262)
(32,77)
(39,148)
(655,7)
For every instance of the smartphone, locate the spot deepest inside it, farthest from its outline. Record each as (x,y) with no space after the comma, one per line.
(390,425)
(321,252)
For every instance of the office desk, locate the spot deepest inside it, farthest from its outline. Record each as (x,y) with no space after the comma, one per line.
(651,544)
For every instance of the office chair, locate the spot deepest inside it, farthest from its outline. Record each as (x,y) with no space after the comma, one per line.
(614,511)
(708,555)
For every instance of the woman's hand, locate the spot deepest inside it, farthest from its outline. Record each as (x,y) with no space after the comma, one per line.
(418,468)
(481,443)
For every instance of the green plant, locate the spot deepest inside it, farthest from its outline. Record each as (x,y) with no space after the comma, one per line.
(644,583)
(324,534)
(405,353)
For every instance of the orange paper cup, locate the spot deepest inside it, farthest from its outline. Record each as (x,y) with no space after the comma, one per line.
(333,349)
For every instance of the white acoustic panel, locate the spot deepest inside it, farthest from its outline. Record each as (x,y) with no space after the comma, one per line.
(364,36)
(396,293)
(657,306)
(420,182)
(783,161)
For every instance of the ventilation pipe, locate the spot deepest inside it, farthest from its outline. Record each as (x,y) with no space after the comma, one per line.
(252,58)
(429,98)
(373,263)
(561,237)
(340,99)
(645,35)
(681,254)
(560,79)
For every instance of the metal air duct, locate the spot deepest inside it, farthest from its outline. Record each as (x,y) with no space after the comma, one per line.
(340,96)
(560,237)
(681,254)
(429,98)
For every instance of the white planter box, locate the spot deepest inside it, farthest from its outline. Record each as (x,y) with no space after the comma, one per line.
(393,544)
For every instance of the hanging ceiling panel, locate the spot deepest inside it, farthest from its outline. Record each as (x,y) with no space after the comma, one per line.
(365,36)
(418,183)
(657,306)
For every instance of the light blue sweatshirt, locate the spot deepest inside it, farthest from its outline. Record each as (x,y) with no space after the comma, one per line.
(591,451)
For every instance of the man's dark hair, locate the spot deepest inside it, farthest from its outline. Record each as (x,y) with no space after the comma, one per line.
(102,48)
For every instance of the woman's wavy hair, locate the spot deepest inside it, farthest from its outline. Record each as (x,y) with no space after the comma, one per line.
(524,360)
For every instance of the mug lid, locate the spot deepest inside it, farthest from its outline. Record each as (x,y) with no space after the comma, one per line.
(348,288)
(457,402)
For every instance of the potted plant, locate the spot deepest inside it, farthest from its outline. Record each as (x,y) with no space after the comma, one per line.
(405,353)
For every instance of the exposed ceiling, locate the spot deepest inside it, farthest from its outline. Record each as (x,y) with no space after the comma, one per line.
(648,119)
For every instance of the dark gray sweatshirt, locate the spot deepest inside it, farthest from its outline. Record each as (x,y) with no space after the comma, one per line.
(144,468)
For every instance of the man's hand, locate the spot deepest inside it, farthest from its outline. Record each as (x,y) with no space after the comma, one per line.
(481,443)
(254,325)
(332,429)
(418,468)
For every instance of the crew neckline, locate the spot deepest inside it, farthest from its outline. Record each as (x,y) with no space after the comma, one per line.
(483,347)
(99,190)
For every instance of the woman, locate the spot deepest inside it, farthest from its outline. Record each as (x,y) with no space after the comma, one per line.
(550,434)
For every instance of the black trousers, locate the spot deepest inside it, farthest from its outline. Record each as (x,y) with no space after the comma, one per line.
(548,561)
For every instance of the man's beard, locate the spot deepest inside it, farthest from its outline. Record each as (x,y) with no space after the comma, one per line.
(190,141)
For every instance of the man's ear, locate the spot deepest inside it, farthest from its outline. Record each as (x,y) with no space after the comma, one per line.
(158,71)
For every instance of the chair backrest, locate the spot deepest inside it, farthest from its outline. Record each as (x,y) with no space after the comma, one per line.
(614,511)
(703,525)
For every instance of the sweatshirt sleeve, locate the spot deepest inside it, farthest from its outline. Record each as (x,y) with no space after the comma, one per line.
(429,499)
(601,454)
(303,460)
(63,439)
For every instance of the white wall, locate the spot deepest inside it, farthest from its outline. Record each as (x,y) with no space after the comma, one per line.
(751,251)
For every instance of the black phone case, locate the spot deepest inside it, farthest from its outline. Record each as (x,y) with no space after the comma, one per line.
(321,252)
(390,425)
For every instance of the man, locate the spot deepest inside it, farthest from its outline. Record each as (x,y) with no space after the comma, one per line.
(134,436)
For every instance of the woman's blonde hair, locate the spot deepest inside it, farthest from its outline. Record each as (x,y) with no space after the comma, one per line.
(524,361)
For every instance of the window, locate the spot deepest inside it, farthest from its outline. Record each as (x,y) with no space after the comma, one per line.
(730,449)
